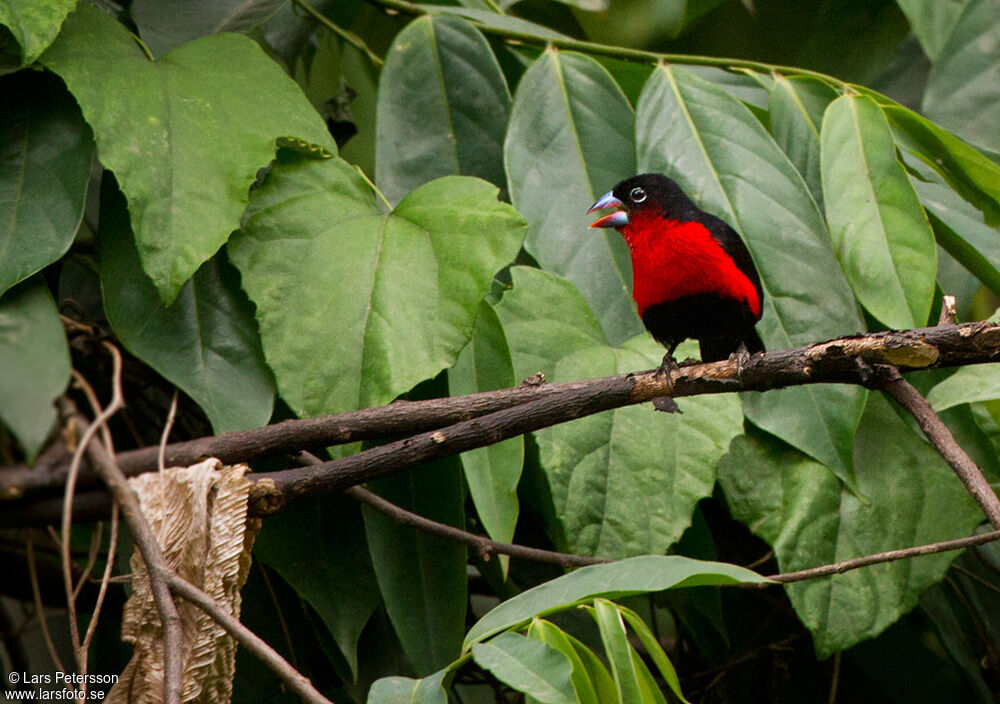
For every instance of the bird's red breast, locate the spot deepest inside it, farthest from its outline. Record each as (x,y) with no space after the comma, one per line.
(671,259)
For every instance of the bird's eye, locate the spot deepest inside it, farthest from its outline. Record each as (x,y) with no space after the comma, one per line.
(637,195)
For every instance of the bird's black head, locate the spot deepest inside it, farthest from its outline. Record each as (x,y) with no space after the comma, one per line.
(645,192)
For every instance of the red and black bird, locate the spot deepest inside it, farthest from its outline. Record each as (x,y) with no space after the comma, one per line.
(692,276)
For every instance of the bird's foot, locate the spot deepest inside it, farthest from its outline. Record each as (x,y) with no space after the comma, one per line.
(666,371)
(742,357)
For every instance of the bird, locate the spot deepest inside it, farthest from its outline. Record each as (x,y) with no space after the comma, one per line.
(692,275)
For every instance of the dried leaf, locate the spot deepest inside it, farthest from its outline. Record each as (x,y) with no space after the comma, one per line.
(199,517)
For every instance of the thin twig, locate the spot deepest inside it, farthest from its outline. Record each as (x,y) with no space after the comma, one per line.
(142,535)
(350,37)
(889,556)
(105,580)
(96,537)
(167,426)
(67,519)
(295,680)
(486,547)
(943,441)
(36,592)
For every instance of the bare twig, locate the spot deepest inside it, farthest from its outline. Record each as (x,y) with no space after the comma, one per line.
(943,441)
(827,362)
(948,314)
(161,457)
(36,592)
(142,535)
(889,556)
(105,580)
(480,543)
(296,681)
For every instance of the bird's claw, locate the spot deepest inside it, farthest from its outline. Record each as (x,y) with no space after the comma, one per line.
(666,371)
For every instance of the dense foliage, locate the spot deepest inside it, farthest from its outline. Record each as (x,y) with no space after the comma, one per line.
(286,210)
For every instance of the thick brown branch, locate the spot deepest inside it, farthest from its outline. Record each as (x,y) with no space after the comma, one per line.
(944,442)
(833,361)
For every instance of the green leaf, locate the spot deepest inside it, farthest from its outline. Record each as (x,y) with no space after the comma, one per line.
(625,482)
(654,649)
(618,651)
(34,358)
(969,173)
(34,23)
(980,382)
(932,21)
(545,318)
(569,141)
(394,295)
(330,570)
(958,227)
(442,107)
(879,229)
(404,690)
(47,151)
(529,666)
(205,342)
(795,107)
(634,575)
(963,93)
(808,518)
(491,472)
(646,22)
(712,145)
(184,139)
(165,24)
(422,576)
(556,638)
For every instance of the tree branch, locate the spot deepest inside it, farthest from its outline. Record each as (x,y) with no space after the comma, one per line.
(943,441)
(889,556)
(485,418)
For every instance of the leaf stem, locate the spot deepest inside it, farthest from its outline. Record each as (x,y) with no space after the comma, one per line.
(371,183)
(350,37)
(617,52)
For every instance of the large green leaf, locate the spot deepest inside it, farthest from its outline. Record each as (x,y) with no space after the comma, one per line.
(712,145)
(46,152)
(34,358)
(958,227)
(795,108)
(545,318)
(879,228)
(529,666)
(491,472)
(442,107)
(184,139)
(979,382)
(391,298)
(330,570)
(165,24)
(34,23)
(963,91)
(206,341)
(633,575)
(422,576)
(625,482)
(570,141)
(969,173)
(788,500)
(404,690)
(932,21)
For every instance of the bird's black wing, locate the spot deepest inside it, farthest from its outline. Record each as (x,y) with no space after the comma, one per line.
(733,245)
